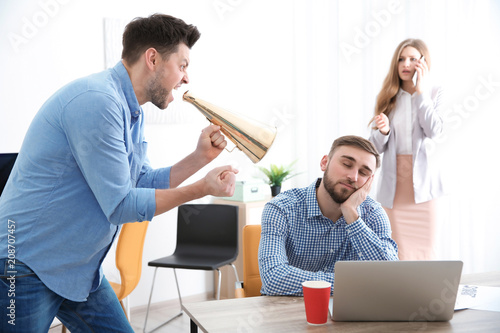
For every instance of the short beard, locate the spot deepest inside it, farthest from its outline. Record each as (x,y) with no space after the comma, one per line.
(338,196)
(157,94)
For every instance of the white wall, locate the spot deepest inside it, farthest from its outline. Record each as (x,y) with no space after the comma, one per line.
(283,62)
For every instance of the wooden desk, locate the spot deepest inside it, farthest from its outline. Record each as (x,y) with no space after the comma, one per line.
(287,314)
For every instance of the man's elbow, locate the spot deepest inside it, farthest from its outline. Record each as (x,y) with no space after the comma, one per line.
(271,290)
(117,217)
(130,209)
(269,285)
(274,286)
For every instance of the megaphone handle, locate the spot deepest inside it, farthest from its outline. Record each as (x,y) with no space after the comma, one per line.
(230,137)
(226,133)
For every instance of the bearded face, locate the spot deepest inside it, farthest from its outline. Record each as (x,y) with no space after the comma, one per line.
(339,190)
(170,74)
(158,94)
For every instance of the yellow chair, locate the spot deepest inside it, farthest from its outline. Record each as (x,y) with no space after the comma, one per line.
(251,275)
(129,258)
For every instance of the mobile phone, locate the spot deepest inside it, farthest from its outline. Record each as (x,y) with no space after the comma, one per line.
(415,76)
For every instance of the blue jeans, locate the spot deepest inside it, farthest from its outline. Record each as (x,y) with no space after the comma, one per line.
(27,305)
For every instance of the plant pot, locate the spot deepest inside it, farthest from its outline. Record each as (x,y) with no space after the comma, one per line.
(275,190)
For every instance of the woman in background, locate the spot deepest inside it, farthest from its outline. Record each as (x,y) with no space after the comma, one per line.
(406,116)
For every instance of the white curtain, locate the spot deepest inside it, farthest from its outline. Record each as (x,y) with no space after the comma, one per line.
(342,52)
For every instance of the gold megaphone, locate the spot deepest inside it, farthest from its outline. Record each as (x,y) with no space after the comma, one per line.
(250,136)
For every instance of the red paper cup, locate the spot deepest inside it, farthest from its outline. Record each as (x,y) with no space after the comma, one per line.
(316,301)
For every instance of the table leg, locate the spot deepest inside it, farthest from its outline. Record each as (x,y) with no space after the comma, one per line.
(194,327)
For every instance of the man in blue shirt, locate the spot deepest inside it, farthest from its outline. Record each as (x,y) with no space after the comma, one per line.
(82,171)
(306,230)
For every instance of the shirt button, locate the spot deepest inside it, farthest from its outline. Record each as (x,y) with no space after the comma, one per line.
(136,112)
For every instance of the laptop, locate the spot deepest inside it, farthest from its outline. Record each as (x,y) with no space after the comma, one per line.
(395,290)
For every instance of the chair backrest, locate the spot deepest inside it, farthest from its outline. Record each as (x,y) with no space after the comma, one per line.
(208,226)
(129,256)
(251,276)
(6,164)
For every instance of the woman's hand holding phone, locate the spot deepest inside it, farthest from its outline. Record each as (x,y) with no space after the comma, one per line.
(421,71)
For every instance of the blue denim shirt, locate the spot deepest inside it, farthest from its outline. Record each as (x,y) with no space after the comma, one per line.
(82,171)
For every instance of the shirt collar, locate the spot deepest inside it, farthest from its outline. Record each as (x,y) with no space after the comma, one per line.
(402,92)
(313,209)
(128,89)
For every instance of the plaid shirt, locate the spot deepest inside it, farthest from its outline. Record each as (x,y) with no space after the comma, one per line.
(299,244)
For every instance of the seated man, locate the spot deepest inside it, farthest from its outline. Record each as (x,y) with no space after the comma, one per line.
(305,231)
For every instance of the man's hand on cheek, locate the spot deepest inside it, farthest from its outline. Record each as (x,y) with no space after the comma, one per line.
(349,207)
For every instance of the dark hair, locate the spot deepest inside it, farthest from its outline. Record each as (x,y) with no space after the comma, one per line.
(355,141)
(159,31)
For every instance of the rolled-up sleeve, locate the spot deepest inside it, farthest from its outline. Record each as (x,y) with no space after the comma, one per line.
(154,178)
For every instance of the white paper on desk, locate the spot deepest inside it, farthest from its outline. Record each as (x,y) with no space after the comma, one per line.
(478,298)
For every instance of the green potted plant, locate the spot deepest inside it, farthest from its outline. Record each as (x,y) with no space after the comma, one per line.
(276,175)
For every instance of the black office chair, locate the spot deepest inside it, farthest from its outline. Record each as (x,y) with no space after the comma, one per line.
(207,239)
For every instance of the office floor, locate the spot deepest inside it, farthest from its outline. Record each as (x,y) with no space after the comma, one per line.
(157,315)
